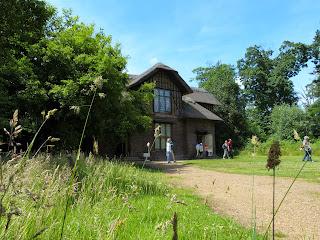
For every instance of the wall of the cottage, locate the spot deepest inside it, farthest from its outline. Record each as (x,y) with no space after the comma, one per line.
(184,137)
(164,80)
(192,126)
(138,142)
(183,131)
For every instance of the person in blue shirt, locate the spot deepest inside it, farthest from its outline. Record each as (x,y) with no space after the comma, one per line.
(169,150)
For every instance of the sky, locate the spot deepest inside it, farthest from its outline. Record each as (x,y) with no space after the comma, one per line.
(187,34)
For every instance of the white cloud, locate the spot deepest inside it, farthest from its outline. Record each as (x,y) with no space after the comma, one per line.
(154,60)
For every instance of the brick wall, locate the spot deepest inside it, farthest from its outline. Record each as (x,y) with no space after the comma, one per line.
(184,137)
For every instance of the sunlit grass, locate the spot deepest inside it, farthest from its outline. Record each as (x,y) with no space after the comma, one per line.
(109,200)
(242,164)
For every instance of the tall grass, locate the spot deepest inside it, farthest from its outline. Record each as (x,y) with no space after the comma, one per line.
(108,200)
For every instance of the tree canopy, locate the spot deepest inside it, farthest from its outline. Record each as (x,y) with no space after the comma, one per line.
(220,80)
(22,23)
(284,118)
(267,80)
(314,88)
(58,70)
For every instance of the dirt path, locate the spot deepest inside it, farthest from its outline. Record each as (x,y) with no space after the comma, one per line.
(231,195)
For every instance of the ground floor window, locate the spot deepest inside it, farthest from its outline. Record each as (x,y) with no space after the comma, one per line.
(160,143)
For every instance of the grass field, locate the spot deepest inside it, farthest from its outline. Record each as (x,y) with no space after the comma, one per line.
(244,164)
(109,200)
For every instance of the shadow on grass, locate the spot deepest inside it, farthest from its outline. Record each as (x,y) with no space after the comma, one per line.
(160,166)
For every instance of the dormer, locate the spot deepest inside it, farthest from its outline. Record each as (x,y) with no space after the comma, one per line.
(170,88)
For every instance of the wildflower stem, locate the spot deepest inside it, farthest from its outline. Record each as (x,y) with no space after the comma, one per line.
(40,148)
(284,198)
(75,165)
(274,194)
(252,197)
(149,150)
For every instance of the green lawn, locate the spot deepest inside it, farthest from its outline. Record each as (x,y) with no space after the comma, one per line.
(244,164)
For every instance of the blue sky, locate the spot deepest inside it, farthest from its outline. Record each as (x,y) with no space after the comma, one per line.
(186,34)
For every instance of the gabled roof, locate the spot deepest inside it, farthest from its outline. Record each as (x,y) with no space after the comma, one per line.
(139,79)
(201,95)
(191,109)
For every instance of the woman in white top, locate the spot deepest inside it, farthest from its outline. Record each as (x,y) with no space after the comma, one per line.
(307,148)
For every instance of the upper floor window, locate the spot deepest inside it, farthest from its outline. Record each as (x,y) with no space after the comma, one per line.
(162,101)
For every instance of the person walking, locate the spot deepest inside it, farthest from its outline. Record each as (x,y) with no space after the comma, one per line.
(172,154)
(306,145)
(169,150)
(197,149)
(230,149)
(225,149)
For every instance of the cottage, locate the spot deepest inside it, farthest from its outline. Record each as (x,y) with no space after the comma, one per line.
(184,113)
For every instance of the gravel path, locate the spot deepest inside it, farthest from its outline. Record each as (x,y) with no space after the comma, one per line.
(231,195)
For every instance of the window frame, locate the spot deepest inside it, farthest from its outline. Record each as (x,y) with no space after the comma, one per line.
(162,102)
(166,132)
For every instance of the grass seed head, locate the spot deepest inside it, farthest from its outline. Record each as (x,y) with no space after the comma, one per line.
(14,119)
(51,113)
(274,155)
(254,141)
(98,82)
(296,135)
(102,95)
(54,139)
(95,147)
(76,109)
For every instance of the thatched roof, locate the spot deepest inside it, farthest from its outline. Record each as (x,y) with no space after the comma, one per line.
(192,96)
(191,109)
(139,79)
(201,95)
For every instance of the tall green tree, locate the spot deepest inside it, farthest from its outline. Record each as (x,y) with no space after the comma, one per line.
(220,80)
(267,79)
(64,67)
(22,23)
(284,118)
(313,89)
(58,71)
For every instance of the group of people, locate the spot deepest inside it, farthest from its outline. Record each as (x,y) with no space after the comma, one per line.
(200,148)
(227,149)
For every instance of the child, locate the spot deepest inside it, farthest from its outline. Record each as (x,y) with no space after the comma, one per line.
(206,148)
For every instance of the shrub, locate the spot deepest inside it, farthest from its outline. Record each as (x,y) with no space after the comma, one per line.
(288,147)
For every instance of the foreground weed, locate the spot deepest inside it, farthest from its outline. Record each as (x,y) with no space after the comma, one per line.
(255,142)
(157,134)
(297,138)
(273,162)
(98,83)
(15,129)
(12,208)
